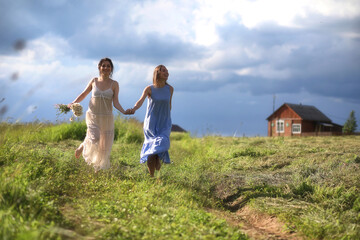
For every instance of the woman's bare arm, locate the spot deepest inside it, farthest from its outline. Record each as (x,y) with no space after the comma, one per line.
(116,103)
(139,103)
(171,91)
(83,95)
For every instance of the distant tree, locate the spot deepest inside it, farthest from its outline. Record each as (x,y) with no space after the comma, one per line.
(350,124)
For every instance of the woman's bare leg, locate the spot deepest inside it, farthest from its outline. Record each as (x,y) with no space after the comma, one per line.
(79,150)
(151,164)
(157,163)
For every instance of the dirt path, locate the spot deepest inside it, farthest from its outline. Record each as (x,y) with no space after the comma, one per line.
(256,225)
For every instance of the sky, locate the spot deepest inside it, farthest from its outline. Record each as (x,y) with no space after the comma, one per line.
(231,62)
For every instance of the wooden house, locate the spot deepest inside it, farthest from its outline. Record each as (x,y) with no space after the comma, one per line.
(301,120)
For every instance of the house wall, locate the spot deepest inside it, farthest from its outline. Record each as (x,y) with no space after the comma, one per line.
(308,126)
(287,127)
(289,117)
(271,129)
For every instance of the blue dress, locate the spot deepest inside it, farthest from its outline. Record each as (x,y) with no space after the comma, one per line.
(157,125)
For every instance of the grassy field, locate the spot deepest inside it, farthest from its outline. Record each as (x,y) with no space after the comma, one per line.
(311,185)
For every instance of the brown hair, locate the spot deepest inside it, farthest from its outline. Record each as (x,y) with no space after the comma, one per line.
(156,73)
(111,64)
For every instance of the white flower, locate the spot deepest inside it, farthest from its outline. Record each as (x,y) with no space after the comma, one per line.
(77,109)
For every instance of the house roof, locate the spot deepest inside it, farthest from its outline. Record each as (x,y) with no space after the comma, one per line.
(307,112)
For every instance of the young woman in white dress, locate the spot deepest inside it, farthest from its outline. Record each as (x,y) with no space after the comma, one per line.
(97,144)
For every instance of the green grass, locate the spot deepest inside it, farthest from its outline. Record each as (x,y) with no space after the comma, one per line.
(312,184)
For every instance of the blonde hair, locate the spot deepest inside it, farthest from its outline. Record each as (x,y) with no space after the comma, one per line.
(156,74)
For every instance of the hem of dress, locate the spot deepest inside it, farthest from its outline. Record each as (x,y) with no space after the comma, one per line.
(162,162)
(96,168)
(145,160)
(88,160)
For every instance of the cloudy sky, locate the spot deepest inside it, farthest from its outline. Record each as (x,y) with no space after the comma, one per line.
(228,59)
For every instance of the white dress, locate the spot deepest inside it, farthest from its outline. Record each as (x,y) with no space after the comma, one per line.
(100,129)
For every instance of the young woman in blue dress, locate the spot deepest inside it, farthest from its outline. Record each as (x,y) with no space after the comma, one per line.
(157,122)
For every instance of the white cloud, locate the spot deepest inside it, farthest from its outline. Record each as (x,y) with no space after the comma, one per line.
(208,16)
(244,71)
(28,71)
(212,13)
(163,18)
(133,74)
(30,109)
(46,48)
(265,71)
(335,8)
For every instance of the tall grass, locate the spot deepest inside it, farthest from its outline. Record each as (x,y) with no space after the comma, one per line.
(46,193)
(312,184)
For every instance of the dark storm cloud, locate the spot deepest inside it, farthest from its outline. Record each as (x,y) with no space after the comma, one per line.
(194,81)
(321,59)
(202,81)
(29,19)
(131,47)
(91,33)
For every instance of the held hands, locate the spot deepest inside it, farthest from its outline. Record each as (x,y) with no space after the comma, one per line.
(129,111)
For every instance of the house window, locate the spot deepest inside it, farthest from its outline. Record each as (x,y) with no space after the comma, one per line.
(296,128)
(280,126)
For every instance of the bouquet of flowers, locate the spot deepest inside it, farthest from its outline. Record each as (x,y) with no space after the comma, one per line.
(76,108)
(62,109)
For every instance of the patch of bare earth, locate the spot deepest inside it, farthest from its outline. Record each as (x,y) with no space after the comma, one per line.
(256,225)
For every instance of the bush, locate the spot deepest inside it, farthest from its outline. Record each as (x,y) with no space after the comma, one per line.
(74,130)
(128,130)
